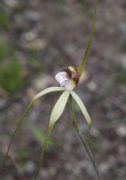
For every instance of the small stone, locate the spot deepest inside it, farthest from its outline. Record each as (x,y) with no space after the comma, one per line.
(95,132)
(29,168)
(11,3)
(122,149)
(104,167)
(37,44)
(3,103)
(32,15)
(92,86)
(68,167)
(42,82)
(121,131)
(44,173)
(122,27)
(52,171)
(123,60)
(31,35)
(9,177)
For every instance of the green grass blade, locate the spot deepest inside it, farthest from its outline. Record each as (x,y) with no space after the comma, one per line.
(39,136)
(82,107)
(89,42)
(59,107)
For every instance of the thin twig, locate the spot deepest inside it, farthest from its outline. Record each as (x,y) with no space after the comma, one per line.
(19,170)
(17,166)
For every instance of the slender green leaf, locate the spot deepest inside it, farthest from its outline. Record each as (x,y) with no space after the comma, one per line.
(59,107)
(48,90)
(40,136)
(82,107)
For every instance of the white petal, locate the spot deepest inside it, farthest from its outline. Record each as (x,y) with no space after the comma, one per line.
(82,107)
(48,90)
(59,108)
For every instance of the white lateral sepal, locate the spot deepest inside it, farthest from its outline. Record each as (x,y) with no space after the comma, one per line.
(82,107)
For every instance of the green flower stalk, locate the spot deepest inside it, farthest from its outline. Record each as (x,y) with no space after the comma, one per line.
(82,139)
(89,41)
(68,78)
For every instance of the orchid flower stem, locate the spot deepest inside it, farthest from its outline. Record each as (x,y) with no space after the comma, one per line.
(83,140)
(42,153)
(89,42)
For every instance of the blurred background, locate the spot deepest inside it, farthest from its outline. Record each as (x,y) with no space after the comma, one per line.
(37,39)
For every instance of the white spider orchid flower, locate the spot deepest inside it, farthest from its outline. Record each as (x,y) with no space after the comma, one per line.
(68,79)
